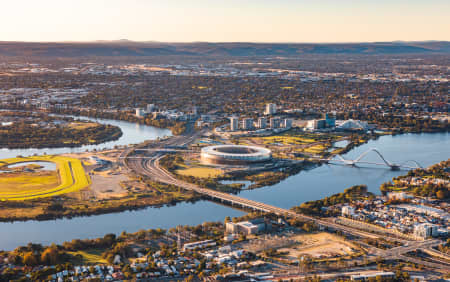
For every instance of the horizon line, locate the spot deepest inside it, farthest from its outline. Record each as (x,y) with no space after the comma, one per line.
(222,42)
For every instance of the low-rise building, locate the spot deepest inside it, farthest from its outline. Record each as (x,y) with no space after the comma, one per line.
(363,277)
(348,211)
(199,244)
(247,227)
(426,230)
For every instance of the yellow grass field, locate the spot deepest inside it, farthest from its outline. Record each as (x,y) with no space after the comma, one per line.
(72,177)
(24,181)
(203,172)
(316,149)
(287,140)
(89,256)
(82,125)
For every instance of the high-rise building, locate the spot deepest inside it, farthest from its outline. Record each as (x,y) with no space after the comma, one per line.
(275,123)
(234,123)
(331,121)
(271,109)
(262,122)
(247,124)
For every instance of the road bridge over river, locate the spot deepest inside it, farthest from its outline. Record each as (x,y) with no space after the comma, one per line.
(149,166)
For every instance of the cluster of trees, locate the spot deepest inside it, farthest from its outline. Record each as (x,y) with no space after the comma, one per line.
(36,254)
(445,248)
(62,256)
(402,123)
(24,135)
(177,127)
(244,95)
(266,178)
(173,162)
(380,243)
(349,195)
(438,171)
(439,191)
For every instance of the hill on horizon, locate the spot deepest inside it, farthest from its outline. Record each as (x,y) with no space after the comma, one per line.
(125,47)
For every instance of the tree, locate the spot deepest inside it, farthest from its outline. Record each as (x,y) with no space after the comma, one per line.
(30,259)
(50,256)
(441,194)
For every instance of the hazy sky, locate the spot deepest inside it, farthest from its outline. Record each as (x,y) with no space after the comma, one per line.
(225,20)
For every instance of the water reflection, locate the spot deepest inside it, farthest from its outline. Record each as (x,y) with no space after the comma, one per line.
(60,230)
(330,179)
(133,133)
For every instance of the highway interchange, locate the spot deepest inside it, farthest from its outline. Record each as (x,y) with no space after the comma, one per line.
(144,160)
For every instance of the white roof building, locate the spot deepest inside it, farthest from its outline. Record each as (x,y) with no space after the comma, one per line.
(352,125)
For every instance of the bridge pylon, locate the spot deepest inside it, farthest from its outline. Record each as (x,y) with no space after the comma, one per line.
(392,165)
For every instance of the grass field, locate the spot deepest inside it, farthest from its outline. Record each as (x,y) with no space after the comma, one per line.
(72,177)
(316,149)
(203,172)
(287,140)
(82,125)
(88,257)
(28,181)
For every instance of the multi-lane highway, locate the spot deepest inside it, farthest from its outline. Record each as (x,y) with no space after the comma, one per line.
(145,161)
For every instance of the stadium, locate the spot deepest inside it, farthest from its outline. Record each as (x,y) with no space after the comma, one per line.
(234,154)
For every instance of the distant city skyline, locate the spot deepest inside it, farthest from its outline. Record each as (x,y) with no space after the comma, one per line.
(226,21)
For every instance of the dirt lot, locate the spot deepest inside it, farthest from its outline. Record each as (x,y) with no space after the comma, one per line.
(106,181)
(109,155)
(105,186)
(320,245)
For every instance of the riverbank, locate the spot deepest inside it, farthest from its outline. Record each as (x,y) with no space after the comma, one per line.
(293,151)
(307,185)
(135,192)
(176,127)
(70,208)
(61,230)
(24,130)
(332,178)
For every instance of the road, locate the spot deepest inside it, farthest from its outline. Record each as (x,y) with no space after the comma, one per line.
(149,165)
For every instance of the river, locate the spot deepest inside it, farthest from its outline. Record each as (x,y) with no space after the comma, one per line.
(308,185)
(133,133)
(317,183)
